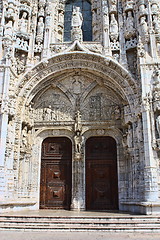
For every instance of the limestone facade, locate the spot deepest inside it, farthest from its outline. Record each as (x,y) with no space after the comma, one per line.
(107,86)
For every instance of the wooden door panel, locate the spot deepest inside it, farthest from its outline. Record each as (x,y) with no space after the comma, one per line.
(56,174)
(101,176)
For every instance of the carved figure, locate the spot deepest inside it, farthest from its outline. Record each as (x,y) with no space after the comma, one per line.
(158,125)
(21,61)
(156,24)
(77,18)
(154,8)
(113,28)
(23,23)
(78,124)
(78,139)
(143,26)
(40,29)
(8,29)
(48,113)
(142,9)
(129,137)
(10,132)
(130,30)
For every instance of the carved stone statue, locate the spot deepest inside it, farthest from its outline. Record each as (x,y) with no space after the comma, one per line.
(113,28)
(8,29)
(48,113)
(78,124)
(129,137)
(40,29)
(77,18)
(143,26)
(130,30)
(158,125)
(156,24)
(154,8)
(78,139)
(23,23)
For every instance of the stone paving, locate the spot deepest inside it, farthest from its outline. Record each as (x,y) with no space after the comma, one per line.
(9,235)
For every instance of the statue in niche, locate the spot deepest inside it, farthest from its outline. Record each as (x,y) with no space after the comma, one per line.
(113,28)
(139,129)
(143,26)
(158,125)
(10,132)
(156,24)
(129,135)
(23,23)
(130,30)
(40,29)
(77,18)
(61,17)
(8,29)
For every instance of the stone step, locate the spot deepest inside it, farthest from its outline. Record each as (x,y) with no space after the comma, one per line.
(81,223)
(81,228)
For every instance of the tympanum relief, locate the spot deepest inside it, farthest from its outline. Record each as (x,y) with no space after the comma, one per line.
(61,102)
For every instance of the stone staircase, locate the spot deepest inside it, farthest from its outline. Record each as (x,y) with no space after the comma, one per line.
(81,223)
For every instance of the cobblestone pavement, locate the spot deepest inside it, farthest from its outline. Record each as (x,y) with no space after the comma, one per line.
(10,235)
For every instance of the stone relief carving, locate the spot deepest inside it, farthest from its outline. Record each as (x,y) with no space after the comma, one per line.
(52,107)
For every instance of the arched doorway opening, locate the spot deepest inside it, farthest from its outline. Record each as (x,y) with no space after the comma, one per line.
(56,173)
(101,174)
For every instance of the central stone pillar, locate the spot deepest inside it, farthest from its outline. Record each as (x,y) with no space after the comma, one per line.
(78,183)
(78,167)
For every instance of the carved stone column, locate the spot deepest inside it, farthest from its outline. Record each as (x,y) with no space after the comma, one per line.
(4,112)
(78,183)
(150,169)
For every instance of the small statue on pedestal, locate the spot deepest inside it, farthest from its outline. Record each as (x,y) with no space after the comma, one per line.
(76,24)
(78,138)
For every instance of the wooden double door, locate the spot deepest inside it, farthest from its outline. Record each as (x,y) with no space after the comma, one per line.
(56,173)
(101,174)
